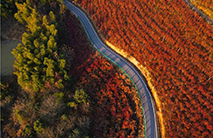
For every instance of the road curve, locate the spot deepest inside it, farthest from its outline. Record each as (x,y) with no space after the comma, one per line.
(199,12)
(147,101)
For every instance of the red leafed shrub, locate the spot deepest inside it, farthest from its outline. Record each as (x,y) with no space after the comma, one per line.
(175,44)
(116,107)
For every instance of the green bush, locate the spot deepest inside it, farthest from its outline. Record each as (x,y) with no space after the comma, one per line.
(38,126)
(59,97)
(76,133)
(64,117)
(27,131)
(20,116)
(81,96)
(71,104)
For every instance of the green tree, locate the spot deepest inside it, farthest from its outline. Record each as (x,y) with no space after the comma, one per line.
(27,131)
(35,61)
(81,96)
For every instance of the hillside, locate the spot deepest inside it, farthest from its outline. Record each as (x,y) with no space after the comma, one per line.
(175,44)
(116,107)
(62,86)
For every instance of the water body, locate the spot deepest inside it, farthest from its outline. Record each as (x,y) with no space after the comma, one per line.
(7,59)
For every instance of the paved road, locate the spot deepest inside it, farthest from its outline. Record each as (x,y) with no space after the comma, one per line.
(147,102)
(199,12)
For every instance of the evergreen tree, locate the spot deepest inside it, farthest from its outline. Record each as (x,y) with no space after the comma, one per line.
(23,12)
(35,61)
(52,17)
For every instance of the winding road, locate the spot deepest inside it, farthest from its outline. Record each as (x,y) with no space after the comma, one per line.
(147,101)
(199,12)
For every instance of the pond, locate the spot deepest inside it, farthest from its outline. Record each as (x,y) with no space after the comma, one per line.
(7,59)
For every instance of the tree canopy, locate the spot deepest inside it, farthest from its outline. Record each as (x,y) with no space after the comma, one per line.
(37,59)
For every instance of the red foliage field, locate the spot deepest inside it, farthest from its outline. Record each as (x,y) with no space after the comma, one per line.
(116,105)
(176,45)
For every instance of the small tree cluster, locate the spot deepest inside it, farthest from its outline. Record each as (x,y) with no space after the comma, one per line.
(37,59)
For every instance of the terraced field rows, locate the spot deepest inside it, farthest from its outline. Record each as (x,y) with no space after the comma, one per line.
(150,121)
(175,44)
